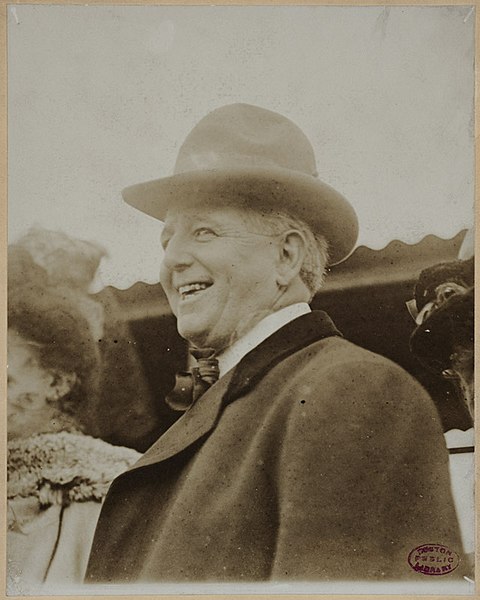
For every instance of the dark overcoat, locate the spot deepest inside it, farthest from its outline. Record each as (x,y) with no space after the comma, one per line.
(313,459)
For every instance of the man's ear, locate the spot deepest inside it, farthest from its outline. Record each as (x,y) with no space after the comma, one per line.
(291,256)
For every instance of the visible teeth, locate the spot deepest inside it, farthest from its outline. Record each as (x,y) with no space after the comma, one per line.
(192,287)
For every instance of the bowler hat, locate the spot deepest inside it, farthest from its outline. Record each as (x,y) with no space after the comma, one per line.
(246,156)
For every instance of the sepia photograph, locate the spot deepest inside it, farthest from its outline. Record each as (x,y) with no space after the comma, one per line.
(240,321)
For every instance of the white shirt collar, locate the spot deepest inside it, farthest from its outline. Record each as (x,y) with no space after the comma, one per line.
(230,357)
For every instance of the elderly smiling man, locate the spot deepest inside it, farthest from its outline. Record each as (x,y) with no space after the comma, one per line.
(300,456)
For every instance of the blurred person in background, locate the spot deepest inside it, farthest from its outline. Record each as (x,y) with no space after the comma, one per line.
(58,468)
(443,341)
(122,409)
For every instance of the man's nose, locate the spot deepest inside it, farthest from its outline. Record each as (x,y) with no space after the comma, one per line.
(177,255)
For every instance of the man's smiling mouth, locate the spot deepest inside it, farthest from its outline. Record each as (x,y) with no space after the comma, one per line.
(191,290)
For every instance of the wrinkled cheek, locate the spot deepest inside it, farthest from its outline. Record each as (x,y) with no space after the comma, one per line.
(164,279)
(173,307)
(172,300)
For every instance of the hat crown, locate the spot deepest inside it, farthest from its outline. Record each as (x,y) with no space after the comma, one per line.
(245,136)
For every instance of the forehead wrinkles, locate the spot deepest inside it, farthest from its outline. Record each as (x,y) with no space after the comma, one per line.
(224,218)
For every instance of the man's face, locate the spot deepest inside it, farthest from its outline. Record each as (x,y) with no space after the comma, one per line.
(219,275)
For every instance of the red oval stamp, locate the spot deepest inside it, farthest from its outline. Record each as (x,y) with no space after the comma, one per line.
(433,559)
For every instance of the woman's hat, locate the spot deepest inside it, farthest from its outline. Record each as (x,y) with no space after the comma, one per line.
(444,300)
(245,156)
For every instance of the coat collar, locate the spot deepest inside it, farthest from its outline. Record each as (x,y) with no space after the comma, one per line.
(203,416)
(293,336)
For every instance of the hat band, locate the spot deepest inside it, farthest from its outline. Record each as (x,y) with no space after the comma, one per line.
(206,161)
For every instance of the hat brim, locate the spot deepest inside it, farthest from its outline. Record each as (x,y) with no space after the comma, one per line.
(324,209)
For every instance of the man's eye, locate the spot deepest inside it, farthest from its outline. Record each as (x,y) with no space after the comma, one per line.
(204,234)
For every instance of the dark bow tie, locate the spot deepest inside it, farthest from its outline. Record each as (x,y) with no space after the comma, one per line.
(190,385)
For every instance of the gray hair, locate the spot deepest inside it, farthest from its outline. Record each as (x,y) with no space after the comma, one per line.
(315,262)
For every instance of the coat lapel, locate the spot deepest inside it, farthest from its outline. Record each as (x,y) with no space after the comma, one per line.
(294,336)
(203,416)
(191,426)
